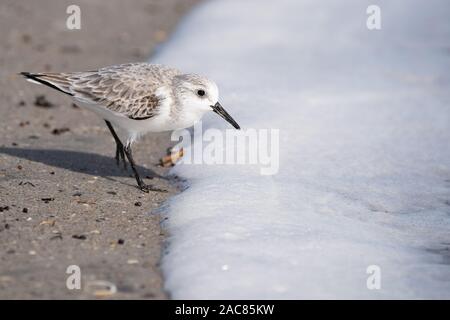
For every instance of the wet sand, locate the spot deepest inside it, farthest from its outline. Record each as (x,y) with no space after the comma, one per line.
(63,201)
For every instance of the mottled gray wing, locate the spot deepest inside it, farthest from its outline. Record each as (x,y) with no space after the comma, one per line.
(128,89)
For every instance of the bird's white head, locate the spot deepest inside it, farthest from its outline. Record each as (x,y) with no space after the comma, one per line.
(198,95)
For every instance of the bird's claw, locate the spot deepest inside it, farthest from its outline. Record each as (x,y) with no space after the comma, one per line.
(147,188)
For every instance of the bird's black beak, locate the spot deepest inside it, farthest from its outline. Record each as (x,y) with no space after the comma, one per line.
(217,108)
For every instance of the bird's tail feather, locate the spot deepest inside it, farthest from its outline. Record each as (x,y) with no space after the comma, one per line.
(52,80)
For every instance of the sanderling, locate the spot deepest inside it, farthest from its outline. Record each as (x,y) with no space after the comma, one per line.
(139,98)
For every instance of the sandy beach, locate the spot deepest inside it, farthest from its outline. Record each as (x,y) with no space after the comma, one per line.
(63,201)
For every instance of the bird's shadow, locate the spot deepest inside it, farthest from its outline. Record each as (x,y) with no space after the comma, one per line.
(83,162)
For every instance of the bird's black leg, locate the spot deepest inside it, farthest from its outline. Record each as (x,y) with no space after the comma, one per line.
(144,187)
(120,155)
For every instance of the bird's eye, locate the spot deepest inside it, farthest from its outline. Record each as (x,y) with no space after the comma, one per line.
(201,92)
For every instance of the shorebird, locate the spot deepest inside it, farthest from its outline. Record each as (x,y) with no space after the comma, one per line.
(138,98)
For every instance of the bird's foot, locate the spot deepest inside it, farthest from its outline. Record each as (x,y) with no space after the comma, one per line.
(171,159)
(147,188)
